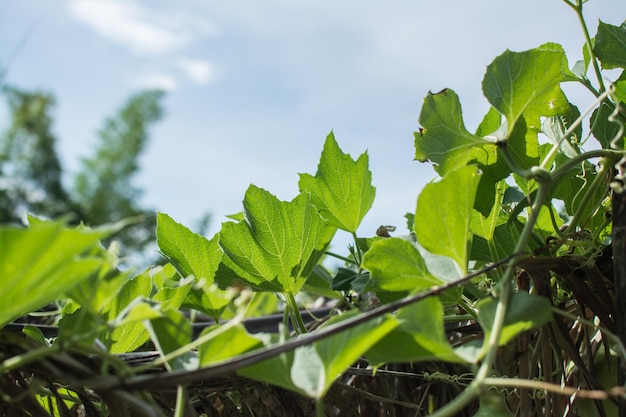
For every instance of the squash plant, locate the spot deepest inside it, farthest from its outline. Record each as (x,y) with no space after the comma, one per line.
(504,285)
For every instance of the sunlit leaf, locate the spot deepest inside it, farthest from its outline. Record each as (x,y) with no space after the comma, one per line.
(444,140)
(189,252)
(444,212)
(527,84)
(272,247)
(38,264)
(169,332)
(420,336)
(397,269)
(342,187)
(230,343)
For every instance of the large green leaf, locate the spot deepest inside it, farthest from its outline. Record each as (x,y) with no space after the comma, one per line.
(610,45)
(189,252)
(312,369)
(444,212)
(194,255)
(270,250)
(227,344)
(170,332)
(524,312)
(527,84)
(397,269)
(444,140)
(342,188)
(40,263)
(419,337)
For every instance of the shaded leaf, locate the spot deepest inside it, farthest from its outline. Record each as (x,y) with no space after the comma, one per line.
(610,45)
(444,140)
(397,269)
(525,312)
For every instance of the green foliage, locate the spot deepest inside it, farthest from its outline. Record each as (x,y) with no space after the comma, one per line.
(444,212)
(104,186)
(341,188)
(102,191)
(29,163)
(515,232)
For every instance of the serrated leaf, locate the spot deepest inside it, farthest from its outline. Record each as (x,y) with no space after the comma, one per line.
(38,264)
(397,269)
(527,84)
(230,343)
(342,187)
(419,337)
(444,140)
(604,130)
(610,45)
(272,248)
(312,369)
(444,212)
(189,252)
(169,332)
(195,255)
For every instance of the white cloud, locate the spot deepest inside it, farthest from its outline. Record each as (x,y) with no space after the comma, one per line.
(160,81)
(199,71)
(143,31)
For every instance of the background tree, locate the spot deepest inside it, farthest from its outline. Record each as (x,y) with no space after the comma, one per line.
(104,188)
(29,165)
(32,176)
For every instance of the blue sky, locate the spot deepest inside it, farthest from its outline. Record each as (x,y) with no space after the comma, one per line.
(255,86)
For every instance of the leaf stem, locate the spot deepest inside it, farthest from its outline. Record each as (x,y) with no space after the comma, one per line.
(578,8)
(505,290)
(294,314)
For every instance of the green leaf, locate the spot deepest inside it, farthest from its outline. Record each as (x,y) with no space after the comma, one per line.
(342,188)
(189,252)
(271,249)
(500,245)
(194,255)
(312,369)
(524,312)
(610,45)
(128,310)
(38,264)
(444,140)
(527,84)
(230,343)
(444,212)
(604,130)
(397,269)
(170,332)
(555,127)
(419,337)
